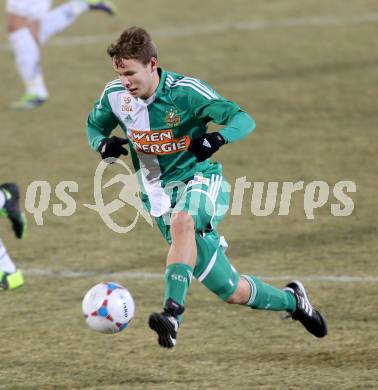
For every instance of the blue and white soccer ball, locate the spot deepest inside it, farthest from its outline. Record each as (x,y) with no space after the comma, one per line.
(108,307)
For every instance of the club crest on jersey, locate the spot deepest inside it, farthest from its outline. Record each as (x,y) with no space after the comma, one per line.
(172,118)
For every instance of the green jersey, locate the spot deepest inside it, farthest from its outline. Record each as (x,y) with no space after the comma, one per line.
(160,128)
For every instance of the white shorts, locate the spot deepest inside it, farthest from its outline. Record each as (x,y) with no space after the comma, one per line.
(31,9)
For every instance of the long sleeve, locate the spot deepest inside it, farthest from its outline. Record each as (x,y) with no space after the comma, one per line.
(209,106)
(100,123)
(238,127)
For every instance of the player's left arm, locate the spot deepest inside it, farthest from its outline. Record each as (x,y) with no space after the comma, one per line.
(237,127)
(211,107)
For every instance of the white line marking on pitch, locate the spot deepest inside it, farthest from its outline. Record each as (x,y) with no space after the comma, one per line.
(151,275)
(247,25)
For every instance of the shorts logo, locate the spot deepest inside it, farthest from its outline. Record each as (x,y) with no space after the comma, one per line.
(158,142)
(198,180)
(172,118)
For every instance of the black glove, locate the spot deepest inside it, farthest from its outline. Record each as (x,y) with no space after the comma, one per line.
(112,147)
(205,145)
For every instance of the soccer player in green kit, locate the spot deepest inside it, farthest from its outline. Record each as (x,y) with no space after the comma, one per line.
(164,116)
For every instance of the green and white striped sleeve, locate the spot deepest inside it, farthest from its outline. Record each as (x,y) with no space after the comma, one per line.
(101,121)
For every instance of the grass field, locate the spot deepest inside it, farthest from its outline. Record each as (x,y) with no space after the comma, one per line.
(308,73)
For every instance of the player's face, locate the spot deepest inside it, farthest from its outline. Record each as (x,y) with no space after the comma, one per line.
(141,80)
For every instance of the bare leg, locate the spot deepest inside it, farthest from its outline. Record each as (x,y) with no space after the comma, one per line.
(183,248)
(23,35)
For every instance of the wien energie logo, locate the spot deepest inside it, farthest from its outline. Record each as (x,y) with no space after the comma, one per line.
(157,141)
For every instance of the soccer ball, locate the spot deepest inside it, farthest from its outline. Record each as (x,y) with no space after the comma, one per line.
(108,307)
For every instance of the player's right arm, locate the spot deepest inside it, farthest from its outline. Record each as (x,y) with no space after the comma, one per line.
(100,123)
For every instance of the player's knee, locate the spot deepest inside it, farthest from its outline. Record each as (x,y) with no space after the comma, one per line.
(241,294)
(15,22)
(11,27)
(182,223)
(235,298)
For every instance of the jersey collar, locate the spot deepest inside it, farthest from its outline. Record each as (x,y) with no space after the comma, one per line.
(162,76)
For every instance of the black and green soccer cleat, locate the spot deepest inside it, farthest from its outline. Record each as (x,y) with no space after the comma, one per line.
(306,314)
(11,281)
(106,6)
(28,102)
(11,209)
(165,324)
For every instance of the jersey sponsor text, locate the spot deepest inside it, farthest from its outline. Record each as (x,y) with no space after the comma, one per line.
(157,142)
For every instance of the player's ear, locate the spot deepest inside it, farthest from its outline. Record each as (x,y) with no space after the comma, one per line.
(154,64)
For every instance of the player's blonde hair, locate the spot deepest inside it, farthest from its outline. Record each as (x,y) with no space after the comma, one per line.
(134,43)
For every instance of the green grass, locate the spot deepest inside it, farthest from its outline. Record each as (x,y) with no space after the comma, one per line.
(312,91)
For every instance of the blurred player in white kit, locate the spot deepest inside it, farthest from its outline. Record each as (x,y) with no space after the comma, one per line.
(30,23)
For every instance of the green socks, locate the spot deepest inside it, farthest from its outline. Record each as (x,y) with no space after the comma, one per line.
(263,296)
(266,297)
(177,281)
